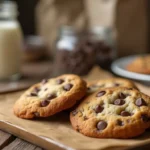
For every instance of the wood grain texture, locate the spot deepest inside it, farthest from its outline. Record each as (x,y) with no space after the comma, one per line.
(19,144)
(5,139)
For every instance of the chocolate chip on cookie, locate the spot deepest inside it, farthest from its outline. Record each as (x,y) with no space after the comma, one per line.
(67,87)
(99,109)
(101,93)
(125,113)
(85,118)
(74,112)
(101,125)
(88,88)
(50,96)
(119,123)
(145,117)
(140,102)
(33,94)
(59,81)
(113,113)
(44,103)
(116,84)
(119,102)
(122,96)
(36,89)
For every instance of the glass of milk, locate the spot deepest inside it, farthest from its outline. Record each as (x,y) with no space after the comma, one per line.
(10,42)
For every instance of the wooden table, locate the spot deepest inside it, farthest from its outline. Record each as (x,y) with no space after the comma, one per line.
(10,142)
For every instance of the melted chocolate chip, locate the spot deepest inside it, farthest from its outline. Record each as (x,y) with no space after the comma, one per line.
(99,109)
(33,94)
(59,81)
(145,118)
(88,88)
(120,123)
(125,113)
(44,81)
(50,96)
(101,125)
(85,118)
(140,102)
(101,93)
(74,112)
(122,96)
(116,84)
(67,87)
(119,102)
(36,89)
(44,103)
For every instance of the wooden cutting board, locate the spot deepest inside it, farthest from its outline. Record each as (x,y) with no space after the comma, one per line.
(55,132)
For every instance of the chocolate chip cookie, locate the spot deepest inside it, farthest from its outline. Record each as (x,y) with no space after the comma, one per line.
(111,82)
(140,65)
(112,113)
(50,96)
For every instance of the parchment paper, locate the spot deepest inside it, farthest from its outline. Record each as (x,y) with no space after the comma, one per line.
(57,129)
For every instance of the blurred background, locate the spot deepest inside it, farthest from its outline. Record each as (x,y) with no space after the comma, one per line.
(67,36)
(129,18)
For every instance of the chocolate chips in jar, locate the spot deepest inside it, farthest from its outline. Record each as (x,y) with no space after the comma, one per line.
(78,54)
(103,55)
(73,54)
(104,45)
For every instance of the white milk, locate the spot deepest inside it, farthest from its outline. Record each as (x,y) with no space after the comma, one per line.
(10,41)
(10,49)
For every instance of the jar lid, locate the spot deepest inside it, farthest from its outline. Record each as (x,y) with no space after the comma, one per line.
(8,9)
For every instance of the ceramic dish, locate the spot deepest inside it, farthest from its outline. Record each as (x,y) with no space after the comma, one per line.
(119,68)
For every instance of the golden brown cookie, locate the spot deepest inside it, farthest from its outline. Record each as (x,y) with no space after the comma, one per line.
(140,65)
(112,113)
(93,86)
(50,96)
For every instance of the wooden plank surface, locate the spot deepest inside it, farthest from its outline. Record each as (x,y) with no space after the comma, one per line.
(10,142)
(5,139)
(19,144)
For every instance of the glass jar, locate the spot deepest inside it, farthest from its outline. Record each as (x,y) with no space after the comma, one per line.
(103,39)
(10,41)
(73,54)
